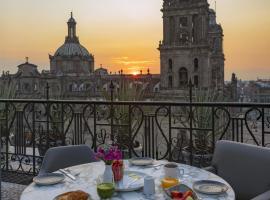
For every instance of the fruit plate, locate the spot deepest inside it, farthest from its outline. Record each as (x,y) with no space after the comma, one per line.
(210,187)
(144,161)
(48,179)
(180,188)
(132,181)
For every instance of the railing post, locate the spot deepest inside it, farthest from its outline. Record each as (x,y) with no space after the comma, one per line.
(130,132)
(191,121)
(34,138)
(7,135)
(263,133)
(112,111)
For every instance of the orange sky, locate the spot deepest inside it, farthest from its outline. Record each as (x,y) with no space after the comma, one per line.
(125,33)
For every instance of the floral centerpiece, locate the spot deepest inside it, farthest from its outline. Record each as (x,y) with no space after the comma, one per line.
(109,154)
(112,157)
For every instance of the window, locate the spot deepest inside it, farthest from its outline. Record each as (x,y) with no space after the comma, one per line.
(183,38)
(196,64)
(170,82)
(183,77)
(172,30)
(170,65)
(183,22)
(196,81)
(27,87)
(35,87)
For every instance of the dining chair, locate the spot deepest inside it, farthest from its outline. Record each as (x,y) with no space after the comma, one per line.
(245,167)
(66,156)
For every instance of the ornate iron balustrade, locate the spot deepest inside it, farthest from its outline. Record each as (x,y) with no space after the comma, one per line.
(181,132)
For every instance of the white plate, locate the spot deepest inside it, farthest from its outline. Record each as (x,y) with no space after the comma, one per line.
(48,179)
(210,187)
(132,181)
(141,161)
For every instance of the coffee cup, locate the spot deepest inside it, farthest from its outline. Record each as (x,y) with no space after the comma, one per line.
(171,170)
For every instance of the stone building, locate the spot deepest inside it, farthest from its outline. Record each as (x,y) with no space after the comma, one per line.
(192,46)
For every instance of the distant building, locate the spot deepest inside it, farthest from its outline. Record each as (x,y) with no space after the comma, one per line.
(192,46)
(72,74)
(259,91)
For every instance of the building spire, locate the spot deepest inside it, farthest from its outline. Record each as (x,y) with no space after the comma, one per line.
(72,37)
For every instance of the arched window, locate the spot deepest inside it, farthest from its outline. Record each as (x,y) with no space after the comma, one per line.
(196,81)
(170,82)
(196,64)
(170,65)
(183,77)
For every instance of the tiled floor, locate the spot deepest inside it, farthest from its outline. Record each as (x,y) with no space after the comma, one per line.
(11,191)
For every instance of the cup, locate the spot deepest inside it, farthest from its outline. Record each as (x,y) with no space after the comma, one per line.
(149,186)
(171,170)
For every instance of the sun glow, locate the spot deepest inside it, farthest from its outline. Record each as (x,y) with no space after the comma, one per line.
(135,73)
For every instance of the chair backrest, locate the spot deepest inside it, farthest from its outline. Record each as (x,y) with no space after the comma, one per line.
(66,156)
(245,167)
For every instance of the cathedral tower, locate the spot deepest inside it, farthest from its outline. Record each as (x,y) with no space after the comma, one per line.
(192,46)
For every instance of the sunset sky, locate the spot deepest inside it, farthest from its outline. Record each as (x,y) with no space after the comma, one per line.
(124,34)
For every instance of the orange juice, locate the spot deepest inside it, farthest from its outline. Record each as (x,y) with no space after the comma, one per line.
(169,182)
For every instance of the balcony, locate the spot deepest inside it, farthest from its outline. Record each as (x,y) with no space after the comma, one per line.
(180,132)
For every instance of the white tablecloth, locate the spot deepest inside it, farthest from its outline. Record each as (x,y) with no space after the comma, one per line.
(89,173)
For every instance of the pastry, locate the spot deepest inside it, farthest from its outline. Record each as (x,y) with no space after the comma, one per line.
(75,195)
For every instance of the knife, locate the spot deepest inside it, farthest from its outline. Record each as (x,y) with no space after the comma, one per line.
(67,174)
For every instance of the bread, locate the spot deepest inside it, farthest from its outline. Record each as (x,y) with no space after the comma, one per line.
(76,195)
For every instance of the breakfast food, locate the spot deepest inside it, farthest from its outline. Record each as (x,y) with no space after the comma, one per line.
(175,195)
(75,195)
(169,182)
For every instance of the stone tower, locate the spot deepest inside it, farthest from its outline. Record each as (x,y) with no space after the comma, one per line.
(192,46)
(72,57)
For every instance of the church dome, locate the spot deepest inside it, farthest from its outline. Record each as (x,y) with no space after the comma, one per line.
(72,46)
(72,49)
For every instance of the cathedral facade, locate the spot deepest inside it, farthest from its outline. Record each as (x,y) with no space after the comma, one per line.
(192,46)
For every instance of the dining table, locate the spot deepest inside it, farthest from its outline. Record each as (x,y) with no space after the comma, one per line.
(87,176)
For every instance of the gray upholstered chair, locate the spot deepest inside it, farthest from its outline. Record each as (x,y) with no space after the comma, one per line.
(245,167)
(66,156)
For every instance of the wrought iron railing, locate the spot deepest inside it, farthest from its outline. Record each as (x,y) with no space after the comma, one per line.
(180,132)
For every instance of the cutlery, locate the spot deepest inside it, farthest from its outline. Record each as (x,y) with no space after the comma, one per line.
(67,174)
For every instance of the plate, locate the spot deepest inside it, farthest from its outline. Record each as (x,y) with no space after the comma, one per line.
(57,197)
(210,187)
(132,181)
(180,188)
(48,179)
(142,161)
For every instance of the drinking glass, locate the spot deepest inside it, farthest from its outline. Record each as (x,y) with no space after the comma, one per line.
(105,190)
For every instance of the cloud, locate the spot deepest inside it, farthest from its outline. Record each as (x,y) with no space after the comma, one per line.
(126,61)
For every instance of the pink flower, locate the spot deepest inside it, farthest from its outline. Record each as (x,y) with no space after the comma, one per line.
(109,154)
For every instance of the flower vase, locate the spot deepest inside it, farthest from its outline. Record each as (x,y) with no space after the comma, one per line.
(108,174)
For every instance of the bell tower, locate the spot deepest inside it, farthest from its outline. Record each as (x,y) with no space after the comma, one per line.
(186,49)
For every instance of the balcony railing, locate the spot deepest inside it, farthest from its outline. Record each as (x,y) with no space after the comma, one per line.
(180,132)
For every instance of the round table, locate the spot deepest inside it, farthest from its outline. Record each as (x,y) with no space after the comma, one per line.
(89,173)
